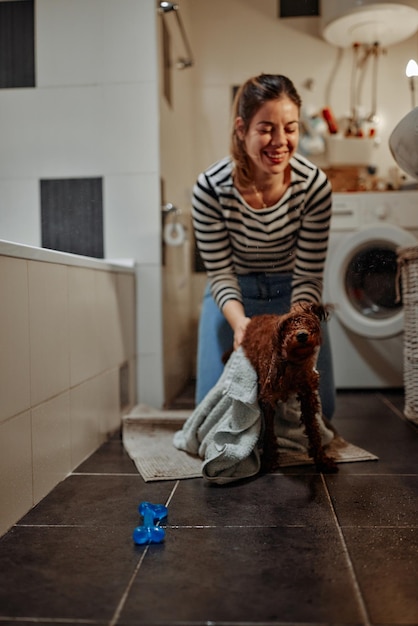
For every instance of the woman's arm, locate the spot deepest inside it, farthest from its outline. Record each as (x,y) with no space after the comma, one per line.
(213,241)
(235,315)
(312,245)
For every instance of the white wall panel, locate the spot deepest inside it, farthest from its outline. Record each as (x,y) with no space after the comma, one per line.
(69,39)
(51,133)
(19,211)
(130,129)
(132,223)
(128,41)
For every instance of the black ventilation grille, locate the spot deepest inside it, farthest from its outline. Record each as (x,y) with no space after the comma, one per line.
(298,8)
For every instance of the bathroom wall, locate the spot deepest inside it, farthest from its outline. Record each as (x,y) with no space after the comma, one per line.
(67,367)
(94,113)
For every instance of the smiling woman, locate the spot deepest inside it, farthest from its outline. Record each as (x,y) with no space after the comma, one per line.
(261,219)
(270,141)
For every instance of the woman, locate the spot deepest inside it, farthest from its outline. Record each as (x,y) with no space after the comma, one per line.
(261,220)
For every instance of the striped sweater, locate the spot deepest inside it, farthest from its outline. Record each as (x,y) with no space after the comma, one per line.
(290,237)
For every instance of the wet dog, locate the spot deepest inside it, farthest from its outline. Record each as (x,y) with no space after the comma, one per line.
(283,350)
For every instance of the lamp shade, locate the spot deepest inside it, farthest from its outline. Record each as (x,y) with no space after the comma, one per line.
(403,143)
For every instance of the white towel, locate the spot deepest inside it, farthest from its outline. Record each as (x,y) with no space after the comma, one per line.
(224,429)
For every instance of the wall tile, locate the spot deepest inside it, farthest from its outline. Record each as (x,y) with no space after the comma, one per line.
(129,33)
(113,41)
(109,409)
(91,130)
(56,22)
(149,314)
(84,334)
(15,469)
(132,217)
(14,325)
(19,211)
(150,380)
(126,289)
(128,117)
(52,133)
(49,330)
(109,323)
(133,395)
(84,418)
(51,444)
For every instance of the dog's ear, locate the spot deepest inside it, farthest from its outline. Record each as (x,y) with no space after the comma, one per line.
(280,336)
(271,369)
(322,311)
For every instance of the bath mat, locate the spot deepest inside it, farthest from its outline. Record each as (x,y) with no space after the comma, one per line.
(148,439)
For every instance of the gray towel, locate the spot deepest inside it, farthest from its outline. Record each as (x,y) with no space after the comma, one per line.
(224,429)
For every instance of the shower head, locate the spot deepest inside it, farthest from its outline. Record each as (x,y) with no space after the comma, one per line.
(167,7)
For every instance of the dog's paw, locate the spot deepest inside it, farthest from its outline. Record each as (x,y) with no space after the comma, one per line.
(269,463)
(327,465)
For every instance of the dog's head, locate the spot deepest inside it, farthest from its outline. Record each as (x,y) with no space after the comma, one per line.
(299,331)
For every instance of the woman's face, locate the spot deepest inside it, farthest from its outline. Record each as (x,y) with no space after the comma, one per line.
(272,137)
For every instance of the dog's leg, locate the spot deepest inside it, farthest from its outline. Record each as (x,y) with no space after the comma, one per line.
(309,409)
(270,455)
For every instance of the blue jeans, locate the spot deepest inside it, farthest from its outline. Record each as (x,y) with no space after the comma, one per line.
(262,293)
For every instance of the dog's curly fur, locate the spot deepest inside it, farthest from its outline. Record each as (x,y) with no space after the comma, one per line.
(283,351)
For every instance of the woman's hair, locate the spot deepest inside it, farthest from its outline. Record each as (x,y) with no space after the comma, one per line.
(255,92)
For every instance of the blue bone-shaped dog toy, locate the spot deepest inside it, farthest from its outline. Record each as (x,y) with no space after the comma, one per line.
(149,532)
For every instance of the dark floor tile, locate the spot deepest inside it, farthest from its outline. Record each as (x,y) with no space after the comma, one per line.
(395,397)
(61,572)
(93,500)
(367,421)
(110,458)
(52,622)
(269,500)
(385,561)
(361,405)
(375,500)
(264,551)
(244,575)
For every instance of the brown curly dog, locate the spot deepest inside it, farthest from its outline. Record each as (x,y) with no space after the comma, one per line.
(283,351)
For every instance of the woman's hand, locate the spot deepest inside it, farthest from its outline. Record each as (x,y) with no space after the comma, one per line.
(235,315)
(239,331)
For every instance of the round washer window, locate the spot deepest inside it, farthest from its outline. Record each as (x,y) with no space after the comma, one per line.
(361,280)
(370,281)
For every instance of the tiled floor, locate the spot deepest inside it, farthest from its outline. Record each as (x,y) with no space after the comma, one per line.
(294,548)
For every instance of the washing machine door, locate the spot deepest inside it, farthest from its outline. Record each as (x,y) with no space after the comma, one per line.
(362,280)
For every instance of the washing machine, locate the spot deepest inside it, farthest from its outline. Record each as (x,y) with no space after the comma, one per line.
(361,281)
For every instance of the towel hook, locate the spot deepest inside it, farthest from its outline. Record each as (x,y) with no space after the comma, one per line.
(169,209)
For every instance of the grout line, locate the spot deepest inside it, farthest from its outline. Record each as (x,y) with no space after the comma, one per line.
(394,409)
(125,594)
(178,526)
(103,473)
(18,525)
(124,597)
(48,620)
(170,497)
(359,595)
